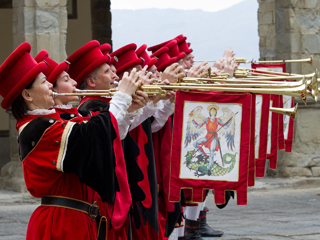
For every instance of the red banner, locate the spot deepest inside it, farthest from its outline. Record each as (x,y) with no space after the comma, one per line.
(285,124)
(261,136)
(211,145)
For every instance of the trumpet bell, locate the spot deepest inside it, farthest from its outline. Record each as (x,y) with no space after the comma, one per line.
(291,112)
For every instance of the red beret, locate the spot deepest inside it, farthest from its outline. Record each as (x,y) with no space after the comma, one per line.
(125,58)
(54,69)
(17,72)
(164,60)
(154,48)
(85,60)
(179,37)
(147,60)
(183,46)
(105,48)
(174,50)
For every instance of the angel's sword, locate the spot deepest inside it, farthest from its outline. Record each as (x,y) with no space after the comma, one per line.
(213,136)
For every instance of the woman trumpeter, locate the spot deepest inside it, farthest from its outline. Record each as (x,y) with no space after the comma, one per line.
(63,162)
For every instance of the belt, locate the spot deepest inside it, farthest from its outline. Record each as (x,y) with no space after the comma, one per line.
(91,209)
(58,201)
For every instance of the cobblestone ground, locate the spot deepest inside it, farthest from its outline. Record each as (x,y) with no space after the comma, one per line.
(272,214)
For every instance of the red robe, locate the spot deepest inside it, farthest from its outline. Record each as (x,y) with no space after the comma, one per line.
(44,176)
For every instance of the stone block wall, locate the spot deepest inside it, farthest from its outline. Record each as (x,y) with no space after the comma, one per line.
(266,29)
(304,160)
(290,29)
(42,23)
(297,33)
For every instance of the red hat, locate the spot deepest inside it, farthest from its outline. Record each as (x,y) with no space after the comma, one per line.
(147,60)
(105,48)
(85,60)
(125,58)
(54,69)
(164,60)
(174,50)
(154,48)
(183,46)
(179,37)
(17,72)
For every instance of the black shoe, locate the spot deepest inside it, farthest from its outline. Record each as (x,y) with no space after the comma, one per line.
(205,230)
(191,231)
(182,238)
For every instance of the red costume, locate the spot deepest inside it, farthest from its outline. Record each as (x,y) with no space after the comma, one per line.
(54,165)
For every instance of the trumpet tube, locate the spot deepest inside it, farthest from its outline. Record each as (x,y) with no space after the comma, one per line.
(264,71)
(294,77)
(253,84)
(300,91)
(306,60)
(237,80)
(291,112)
(96,91)
(237,60)
(243,60)
(83,94)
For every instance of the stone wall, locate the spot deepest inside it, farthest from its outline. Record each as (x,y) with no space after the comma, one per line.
(101,21)
(297,33)
(304,160)
(43,24)
(267,29)
(289,29)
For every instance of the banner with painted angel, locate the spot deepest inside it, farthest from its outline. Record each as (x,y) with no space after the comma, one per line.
(210,147)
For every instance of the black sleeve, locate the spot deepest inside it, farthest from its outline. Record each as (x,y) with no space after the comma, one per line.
(93,105)
(90,155)
(32,134)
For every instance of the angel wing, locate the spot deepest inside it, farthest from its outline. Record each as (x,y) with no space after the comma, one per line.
(228,131)
(192,133)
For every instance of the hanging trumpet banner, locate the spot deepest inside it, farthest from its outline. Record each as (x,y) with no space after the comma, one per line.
(211,145)
(261,132)
(285,135)
(252,166)
(288,102)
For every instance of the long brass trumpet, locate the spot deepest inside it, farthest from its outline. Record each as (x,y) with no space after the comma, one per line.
(251,70)
(300,91)
(244,60)
(237,60)
(296,89)
(306,60)
(248,83)
(291,112)
(105,93)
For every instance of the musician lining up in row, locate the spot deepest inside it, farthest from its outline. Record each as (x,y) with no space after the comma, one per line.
(74,159)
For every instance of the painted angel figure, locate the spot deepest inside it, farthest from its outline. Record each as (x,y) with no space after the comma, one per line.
(224,125)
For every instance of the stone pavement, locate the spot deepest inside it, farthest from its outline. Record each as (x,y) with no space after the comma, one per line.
(277,209)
